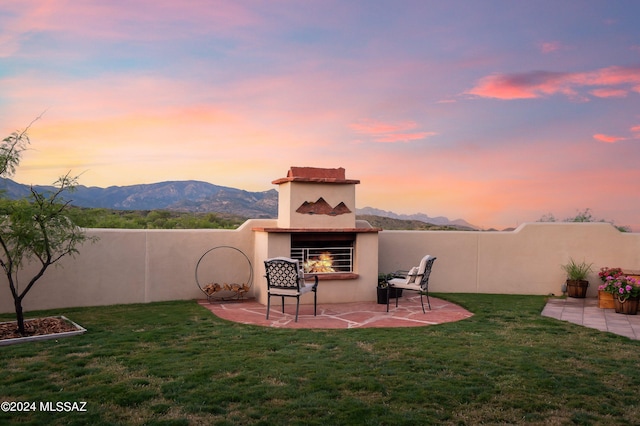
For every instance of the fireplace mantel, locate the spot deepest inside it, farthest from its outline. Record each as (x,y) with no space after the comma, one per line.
(316,230)
(336,276)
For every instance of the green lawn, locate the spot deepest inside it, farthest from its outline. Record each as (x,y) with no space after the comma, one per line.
(176,363)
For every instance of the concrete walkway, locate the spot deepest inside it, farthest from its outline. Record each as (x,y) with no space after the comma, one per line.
(586,312)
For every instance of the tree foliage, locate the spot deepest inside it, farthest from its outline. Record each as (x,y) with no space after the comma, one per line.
(33,231)
(581,216)
(152,219)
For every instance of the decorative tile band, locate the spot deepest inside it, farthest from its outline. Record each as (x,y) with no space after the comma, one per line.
(322,207)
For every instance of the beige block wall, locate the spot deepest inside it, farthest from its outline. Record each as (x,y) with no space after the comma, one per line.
(137,266)
(110,271)
(525,261)
(268,245)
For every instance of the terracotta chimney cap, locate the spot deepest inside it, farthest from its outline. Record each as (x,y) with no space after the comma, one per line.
(317,175)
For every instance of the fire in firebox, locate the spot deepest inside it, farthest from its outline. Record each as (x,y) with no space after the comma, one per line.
(322,263)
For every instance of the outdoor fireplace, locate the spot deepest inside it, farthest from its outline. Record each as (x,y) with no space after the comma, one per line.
(317,225)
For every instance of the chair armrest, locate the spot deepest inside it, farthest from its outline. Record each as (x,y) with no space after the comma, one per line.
(308,277)
(400,274)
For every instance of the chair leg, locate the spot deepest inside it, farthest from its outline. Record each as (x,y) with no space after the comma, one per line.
(428,301)
(422,303)
(388,291)
(297,307)
(268,304)
(315,303)
(283,304)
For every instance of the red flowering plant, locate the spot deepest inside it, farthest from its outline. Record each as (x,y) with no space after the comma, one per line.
(608,276)
(609,272)
(623,287)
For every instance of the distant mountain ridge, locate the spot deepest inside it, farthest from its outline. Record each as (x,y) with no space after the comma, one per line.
(186,196)
(193,196)
(438,220)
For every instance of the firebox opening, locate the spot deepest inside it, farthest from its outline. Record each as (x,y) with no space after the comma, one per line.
(323,253)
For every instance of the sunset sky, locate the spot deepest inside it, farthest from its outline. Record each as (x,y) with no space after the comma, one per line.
(498,112)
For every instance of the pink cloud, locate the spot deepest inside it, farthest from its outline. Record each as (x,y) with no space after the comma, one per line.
(389,132)
(613,139)
(404,137)
(376,127)
(537,84)
(521,86)
(607,76)
(143,20)
(550,46)
(609,93)
(607,138)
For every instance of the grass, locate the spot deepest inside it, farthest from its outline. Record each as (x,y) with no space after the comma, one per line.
(177,364)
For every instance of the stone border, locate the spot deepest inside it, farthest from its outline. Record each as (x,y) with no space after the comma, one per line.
(79,330)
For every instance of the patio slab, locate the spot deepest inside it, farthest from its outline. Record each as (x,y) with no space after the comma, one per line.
(586,312)
(340,315)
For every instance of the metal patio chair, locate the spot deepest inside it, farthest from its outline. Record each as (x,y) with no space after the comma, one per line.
(417,279)
(285,278)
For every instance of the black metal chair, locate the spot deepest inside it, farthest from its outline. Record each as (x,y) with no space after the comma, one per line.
(285,278)
(417,279)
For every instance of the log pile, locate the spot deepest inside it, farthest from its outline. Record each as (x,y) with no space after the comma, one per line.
(237,291)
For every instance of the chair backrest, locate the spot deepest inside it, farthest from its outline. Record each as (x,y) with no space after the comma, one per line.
(284,273)
(425,269)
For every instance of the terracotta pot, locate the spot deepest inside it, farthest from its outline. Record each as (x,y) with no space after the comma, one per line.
(627,307)
(605,300)
(577,288)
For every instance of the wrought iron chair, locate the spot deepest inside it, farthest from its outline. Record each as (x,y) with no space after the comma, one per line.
(417,279)
(285,278)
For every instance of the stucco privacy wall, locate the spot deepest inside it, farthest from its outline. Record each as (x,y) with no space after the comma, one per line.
(135,266)
(138,266)
(525,261)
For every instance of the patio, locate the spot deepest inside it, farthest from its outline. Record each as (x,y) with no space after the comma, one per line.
(340,315)
(583,312)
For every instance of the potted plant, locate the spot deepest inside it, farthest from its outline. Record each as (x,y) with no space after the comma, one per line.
(383,287)
(626,293)
(577,283)
(605,293)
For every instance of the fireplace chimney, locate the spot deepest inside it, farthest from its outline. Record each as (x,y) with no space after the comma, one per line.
(311,197)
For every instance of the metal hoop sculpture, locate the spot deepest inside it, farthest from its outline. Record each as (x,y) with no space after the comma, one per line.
(225,291)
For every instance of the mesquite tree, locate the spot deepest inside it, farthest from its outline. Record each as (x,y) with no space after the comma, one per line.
(34,230)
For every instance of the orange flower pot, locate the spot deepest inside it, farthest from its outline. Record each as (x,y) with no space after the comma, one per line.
(605,300)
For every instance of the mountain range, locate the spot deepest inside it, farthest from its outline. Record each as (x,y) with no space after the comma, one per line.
(437,220)
(193,196)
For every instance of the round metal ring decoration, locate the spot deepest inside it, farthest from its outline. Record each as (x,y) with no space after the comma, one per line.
(228,277)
